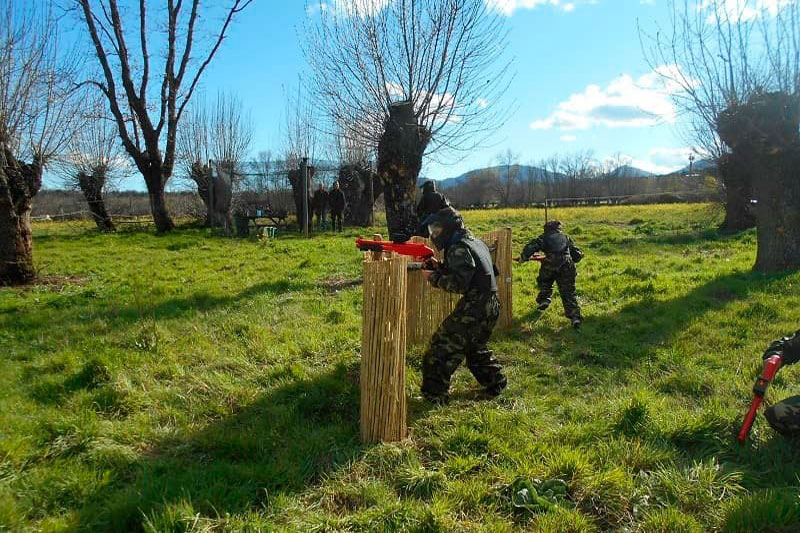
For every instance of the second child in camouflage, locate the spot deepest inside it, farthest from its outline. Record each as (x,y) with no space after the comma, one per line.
(558,266)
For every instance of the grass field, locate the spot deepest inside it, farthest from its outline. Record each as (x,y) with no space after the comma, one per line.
(190,382)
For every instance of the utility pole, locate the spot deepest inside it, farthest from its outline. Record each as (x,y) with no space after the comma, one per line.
(304,177)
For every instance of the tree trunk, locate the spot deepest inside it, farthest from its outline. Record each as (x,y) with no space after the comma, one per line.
(735,175)
(92,189)
(764,131)
(19,183)
(400,152)
(361,187)
(199,173)
(297,192)
(156,185)
(778,212)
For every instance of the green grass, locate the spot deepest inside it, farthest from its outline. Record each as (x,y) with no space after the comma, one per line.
(190,382)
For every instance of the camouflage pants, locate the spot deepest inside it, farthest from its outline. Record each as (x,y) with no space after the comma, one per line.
(463,334)
(784,417)
(564,275)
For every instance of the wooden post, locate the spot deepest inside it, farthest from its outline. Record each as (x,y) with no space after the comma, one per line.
(383,351)
(304,177)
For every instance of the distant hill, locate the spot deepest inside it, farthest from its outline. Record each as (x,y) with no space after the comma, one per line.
(703,165)
(522,172)
(624,171)
(628,171)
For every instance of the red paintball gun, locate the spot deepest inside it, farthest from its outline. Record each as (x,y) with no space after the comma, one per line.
(771,367)
(538,258)
(422,253)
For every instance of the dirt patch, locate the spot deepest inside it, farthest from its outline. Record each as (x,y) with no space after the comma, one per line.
(339,283)
(53,283)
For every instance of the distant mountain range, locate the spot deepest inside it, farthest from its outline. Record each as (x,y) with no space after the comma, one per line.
(523,171)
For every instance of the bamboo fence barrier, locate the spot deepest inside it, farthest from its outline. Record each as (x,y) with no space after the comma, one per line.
(401,308)
(383,350)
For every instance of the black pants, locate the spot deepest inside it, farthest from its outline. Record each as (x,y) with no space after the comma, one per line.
(321,219)
(336,220)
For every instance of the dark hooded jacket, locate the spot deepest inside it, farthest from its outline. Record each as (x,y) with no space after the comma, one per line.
(468,268)
(431,202)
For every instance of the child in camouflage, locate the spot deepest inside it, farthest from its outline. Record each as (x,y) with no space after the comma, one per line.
(558,266)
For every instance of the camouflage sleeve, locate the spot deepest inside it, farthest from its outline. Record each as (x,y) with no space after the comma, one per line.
(531,248)
(456,273)
(575,252)
(787,347)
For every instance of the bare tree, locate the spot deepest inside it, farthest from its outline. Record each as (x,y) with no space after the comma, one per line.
(409,78)
(532,176)
(37,118)
(302,140)
(738,67)
(213,142)
(507,175)
(125,61)
(358,180)
(576,166)
(94,161)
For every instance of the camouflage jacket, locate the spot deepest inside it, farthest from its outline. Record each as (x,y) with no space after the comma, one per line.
(788,347)
(557,247)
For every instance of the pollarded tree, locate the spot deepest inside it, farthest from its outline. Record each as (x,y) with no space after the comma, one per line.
(302,140)
(213,142)
(147,117)
(357,177)
(94,162)
(37,118)
(409,78)
(738,65)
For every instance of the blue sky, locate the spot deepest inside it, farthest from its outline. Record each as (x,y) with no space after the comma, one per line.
(581,81)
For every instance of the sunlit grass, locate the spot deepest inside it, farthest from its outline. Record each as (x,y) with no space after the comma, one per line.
(191,382)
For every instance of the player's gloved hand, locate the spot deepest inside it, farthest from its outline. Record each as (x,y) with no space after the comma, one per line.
(431,263)
(777,348)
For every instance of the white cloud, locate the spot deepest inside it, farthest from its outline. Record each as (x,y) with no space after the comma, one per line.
(568,138)
(659,160)
(742,10)
(624,102)
(439,103)
(507,7)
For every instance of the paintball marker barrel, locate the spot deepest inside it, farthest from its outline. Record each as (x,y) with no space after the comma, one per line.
(415,250)
(771,367)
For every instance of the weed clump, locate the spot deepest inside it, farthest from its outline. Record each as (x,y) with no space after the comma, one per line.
(633,420)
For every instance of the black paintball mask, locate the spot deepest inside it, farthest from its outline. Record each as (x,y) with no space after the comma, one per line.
(553,226)
(428,186)
(443,226)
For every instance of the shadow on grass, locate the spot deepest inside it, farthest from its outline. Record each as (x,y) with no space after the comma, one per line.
(698,237)
(203,301)
(72,308)
(622,338)
(278,445)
